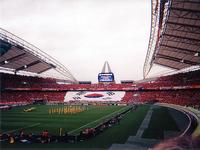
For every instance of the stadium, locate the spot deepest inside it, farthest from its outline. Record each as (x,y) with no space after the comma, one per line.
(160,112)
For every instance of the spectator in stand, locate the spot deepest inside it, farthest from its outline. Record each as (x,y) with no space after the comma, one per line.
(11,139)
(45,137)
(4,137)
(179,143)
(21,135)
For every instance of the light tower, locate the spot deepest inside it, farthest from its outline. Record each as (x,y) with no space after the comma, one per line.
(106,76)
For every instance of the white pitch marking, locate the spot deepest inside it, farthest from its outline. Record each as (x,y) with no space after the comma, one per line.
(33,125)
(95,121)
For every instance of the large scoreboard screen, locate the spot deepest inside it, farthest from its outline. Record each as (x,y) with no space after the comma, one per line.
(106,77)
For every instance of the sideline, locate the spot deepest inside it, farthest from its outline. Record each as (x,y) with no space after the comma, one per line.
(33,125)
(96,120)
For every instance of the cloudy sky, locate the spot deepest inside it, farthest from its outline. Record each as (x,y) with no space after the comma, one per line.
(83,34)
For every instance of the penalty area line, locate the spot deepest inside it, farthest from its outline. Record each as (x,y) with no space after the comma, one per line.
(33,125)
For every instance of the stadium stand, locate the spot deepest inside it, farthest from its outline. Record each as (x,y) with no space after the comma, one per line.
(179,97)
(183,80)
(13,97)
(128,97)
(181,89)
(19,81)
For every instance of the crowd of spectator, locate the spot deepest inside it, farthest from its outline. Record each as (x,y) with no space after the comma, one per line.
(182,89)
(180,97)
(184,80)
(19,82)
(16,97)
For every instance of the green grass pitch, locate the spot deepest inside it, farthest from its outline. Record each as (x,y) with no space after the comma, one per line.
(49,117)
(40,119)
(160,122)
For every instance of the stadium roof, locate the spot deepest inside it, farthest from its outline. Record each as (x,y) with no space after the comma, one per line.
(175,34)
(19,55)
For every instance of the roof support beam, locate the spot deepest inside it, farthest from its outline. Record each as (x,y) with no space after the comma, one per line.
(176,59)
(179,39)
(186,42)
(182,37)
(184,13)
(183,9)
(183,25)
(191,29)
(162,64)
(44,70)
(179,49)
(178,16)
(188,1)
(17,57)
(28,65)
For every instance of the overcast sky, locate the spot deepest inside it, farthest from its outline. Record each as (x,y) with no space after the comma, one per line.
(83,34)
